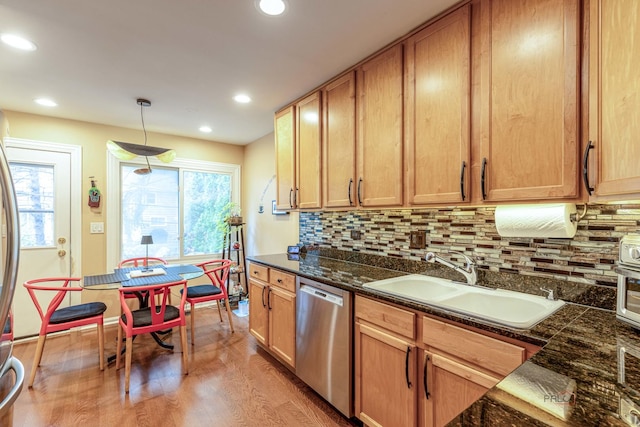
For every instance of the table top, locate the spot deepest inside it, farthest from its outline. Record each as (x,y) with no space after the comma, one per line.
(121,277)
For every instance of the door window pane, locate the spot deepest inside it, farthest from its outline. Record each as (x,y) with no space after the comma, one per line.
(34,190)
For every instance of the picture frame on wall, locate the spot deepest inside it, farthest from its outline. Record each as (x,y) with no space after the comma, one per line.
(275,211)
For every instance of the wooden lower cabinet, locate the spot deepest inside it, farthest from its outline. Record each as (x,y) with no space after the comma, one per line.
(403,380)
(385,378)
(448,388)
(272,313)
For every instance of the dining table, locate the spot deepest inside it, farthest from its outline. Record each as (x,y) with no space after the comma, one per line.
(142,276)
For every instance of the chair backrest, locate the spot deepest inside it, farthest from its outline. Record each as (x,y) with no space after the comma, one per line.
(157,297)
(218,271)
(61,285)
(141,262)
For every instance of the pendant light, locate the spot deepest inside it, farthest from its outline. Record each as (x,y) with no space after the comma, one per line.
(129,151)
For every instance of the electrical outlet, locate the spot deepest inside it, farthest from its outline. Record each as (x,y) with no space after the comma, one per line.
(356,235)
(417,240)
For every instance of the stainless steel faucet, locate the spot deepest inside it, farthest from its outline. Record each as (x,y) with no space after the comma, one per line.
(549,293)
(468,271)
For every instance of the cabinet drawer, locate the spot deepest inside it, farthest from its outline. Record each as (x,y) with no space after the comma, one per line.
(483,351)
(283,280)
(259,272)
(394,319)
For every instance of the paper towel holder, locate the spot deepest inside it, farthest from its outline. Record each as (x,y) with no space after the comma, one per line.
(574,217)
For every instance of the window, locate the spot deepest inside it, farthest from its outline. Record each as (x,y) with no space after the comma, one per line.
(178,204)
(35,196)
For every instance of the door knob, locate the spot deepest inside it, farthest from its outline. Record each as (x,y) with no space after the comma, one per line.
(62,240)
(62,253)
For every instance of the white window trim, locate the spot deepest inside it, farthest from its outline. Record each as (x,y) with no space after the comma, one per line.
(113,195)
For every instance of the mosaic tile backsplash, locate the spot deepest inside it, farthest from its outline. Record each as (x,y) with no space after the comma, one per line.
(586,259)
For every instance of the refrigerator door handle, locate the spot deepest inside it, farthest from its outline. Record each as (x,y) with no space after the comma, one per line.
(16,366)
(10,274)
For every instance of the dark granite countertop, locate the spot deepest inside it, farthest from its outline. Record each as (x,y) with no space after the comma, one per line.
(580,343)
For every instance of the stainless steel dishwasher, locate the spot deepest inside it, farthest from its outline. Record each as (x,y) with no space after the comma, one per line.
(324,342)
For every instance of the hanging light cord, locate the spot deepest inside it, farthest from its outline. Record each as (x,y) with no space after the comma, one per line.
(143,128)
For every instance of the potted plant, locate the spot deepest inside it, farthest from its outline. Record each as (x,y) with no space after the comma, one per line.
(230,215)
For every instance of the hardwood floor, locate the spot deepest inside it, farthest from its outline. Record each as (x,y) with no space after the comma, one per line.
(231,382)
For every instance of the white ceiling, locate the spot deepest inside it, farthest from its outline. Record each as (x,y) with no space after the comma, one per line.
(189,57)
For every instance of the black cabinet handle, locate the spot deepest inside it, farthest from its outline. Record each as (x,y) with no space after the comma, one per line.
(359,193)
(350,184)
(279,280)
(424,379)
(290,193)
(585,168)
(406,367)
(263,289)
(295,198)
(269,299)
(482,178)
(464,165)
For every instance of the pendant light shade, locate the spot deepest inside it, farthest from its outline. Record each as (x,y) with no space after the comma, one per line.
(128,151)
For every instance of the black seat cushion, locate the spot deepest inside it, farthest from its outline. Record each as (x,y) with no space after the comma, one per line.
(77,312)
(202,291)
(142,317)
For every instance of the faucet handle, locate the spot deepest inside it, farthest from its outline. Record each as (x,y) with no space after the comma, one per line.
(430,257)
(549,293)
(470,261)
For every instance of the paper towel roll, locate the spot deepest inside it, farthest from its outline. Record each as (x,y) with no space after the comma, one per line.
(547,220)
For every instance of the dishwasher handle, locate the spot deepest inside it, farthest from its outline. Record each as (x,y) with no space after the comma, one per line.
(321,294)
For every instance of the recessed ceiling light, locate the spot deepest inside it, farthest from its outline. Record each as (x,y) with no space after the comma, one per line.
(17,42)
(242,98)
(272,7)
(205,129)
(46,102)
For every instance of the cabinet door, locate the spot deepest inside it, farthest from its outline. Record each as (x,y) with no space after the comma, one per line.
(437,124)
(285,131)
(615,95)
(451,388)
(282,324)
(308,193)
(529,99)
(380,82)
(258,312)
(339,143)
(385,378)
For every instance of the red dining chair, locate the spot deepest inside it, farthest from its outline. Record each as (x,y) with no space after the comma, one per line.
(158,316)
(56,319)
(141,262)
(217,270)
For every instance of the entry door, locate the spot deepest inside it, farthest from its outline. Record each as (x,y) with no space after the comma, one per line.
(42,181)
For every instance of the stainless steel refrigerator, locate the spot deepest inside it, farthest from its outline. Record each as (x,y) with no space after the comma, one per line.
(11,370)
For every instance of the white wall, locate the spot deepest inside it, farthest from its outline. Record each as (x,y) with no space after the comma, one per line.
(264,233)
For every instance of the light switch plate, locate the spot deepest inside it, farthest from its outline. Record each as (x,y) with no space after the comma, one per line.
(97,227)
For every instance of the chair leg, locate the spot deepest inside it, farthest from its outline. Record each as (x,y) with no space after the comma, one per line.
(219,311)
(226,302)
(127,364)
(193,323)
(118,346)
(101,344)
(185,349)
(36,360)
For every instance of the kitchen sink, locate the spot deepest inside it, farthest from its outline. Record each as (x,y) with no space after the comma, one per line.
(416,287)
(514,309)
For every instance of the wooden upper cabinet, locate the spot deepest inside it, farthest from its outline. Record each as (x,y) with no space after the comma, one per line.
(339,142)
(614,96)
(529,59)
(437,123)
(379,142)
(308,192)
(285,132)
